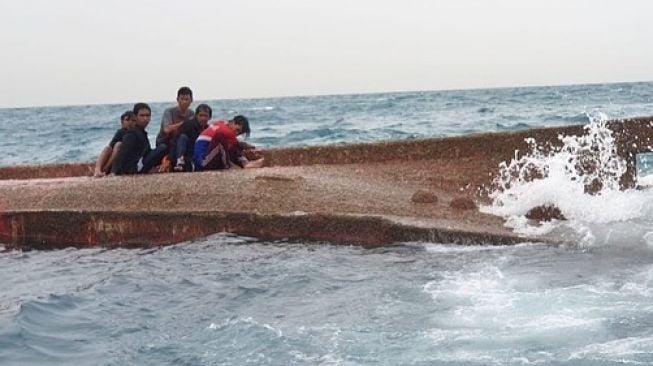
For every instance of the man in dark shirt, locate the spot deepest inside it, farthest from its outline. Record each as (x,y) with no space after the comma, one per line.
(188,133)
(136,155)
(109,153)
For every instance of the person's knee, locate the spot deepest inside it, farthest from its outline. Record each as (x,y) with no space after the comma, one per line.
(182,138)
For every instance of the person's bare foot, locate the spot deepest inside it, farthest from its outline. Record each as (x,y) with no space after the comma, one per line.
(258,163)
(98,174)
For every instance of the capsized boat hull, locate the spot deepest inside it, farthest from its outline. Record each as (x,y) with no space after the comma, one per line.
(350,194)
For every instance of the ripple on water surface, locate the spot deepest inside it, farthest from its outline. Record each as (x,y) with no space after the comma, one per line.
(233,300)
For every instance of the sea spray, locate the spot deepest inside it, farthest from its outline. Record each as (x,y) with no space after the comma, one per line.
(581,177)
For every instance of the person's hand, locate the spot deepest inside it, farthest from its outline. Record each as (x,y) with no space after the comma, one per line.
(253,154)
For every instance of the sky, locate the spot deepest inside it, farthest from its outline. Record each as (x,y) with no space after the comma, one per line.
(71,52)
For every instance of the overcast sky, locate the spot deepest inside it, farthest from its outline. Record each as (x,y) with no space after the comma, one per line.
(79,51)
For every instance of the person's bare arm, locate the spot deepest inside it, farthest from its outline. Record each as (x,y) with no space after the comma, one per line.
(171,128)
(169,124)
(102,161)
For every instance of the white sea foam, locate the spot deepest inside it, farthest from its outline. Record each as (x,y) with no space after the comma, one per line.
(456,248)
(475,298)
(264,108)
(560,177)
(631,350)
(645,181)
(248,321)
(649,238)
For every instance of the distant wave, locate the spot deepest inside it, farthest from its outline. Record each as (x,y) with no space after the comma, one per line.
(517,126)
(578,118)
(265,109)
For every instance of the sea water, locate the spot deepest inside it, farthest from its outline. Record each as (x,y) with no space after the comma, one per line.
(229,300)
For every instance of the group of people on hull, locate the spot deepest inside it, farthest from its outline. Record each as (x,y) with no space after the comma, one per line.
(186,141)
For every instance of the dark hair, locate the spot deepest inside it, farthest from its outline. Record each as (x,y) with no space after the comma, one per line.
(139,106)
(127,115)
(204,108)
(243,122)
(184,90)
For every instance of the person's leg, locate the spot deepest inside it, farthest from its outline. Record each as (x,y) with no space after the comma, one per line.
(102,161)
(107,167)
(182,146)
(172,150)
(172,154)
(153,158)
(200,150)
(216,159)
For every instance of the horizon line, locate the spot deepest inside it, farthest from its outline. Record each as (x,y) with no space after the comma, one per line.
(343,93)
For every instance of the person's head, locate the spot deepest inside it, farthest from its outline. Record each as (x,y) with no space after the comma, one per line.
(143,114)
(203,113)
(184,97)
(127,119)
(240,125)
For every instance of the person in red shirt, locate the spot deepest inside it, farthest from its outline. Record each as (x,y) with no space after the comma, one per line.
(218,148)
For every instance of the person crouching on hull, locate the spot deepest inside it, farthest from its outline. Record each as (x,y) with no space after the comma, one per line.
(109,153)
(135,155)
(218,148)
(188,133)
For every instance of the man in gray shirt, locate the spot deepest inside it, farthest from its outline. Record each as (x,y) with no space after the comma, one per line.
(172,120)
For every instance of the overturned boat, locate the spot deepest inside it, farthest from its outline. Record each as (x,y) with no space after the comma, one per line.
(369,194)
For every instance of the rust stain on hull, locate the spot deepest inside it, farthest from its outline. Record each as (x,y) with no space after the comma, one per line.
(61,229)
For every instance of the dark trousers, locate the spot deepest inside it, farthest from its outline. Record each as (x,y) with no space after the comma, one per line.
(153,158)
(184,148)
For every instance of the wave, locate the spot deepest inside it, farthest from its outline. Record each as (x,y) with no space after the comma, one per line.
(581,179)
(262,109)
(577,118)
(47,132)
(55,329)
(512,127)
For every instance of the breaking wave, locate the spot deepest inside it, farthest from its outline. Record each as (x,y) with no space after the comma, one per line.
(581,178)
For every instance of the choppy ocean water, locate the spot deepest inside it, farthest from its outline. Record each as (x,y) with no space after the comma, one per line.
(78,133)
(228,300)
